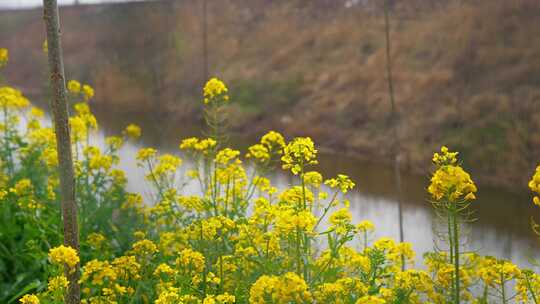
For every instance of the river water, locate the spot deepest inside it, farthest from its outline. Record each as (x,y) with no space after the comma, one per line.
(501,229)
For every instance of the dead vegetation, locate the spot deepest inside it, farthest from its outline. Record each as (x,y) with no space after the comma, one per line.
(467,73)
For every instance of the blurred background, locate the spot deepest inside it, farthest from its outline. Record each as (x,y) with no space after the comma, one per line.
(22,4)
(466,74)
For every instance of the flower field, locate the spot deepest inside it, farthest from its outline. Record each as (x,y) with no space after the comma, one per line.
(239,240)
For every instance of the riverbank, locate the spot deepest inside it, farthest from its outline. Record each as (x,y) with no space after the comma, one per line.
(466,75)
(166,132)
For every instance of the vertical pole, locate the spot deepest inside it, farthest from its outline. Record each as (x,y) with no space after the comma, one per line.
(205,40)
(59,108)
(393,119)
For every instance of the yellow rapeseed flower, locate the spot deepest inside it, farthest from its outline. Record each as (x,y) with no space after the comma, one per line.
(205,145)
(168,163)
(313,178)
(343,182)
(528,284)
(299,153)
(341,217)
(188,143)
(146,153)
(169,296)
(36,113)
(191,259)
(29,299)
(133,131)
(74,87)
(289,221)
(3,194)
(12,98)
(295,196)
(194,144)
(88,91)
(288,288)
(370,300)
(259,153)
(365,226)
(215,90)
(114,142)
(126,267)
(452,183)
(144,247)
(57,283)
(163,269)
(274,141)
(98,272)
(22,187)
(225,298)
(223,157)
(4,57)
(96,239)
(64,255)
(534,185)
(445,157)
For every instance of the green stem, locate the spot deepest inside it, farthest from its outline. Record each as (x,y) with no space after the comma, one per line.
(325,211)
(205,265)
(221,265)
(456,252)
(365,240)
(215,190)
(533,295)
(503,291)
(154,179)
(298,258)
(226,202)
(7,141)
(307,243)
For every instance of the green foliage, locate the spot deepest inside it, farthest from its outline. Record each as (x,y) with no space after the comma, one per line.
(29,198)
(256,96)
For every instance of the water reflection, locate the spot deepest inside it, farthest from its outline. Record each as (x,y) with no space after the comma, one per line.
(502,228)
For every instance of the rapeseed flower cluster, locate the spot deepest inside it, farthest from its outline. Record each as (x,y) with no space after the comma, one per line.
(298,154)
(11,98)
(445,157)
(29,200)
(215,91)
(29,299)
(452,183)
(64,255)
(132,131)
(80,90)
(534,185)
(4,57)
(240,239)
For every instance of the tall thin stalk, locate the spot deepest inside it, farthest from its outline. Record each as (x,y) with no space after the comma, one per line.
(205,39)
(393,119)
(455,227)
(65,163)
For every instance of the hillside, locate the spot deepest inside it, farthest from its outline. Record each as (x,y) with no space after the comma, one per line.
(467,73)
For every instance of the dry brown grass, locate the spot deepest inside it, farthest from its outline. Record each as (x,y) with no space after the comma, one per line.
(467,73)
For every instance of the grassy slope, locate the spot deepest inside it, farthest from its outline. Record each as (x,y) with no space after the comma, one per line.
(466,75)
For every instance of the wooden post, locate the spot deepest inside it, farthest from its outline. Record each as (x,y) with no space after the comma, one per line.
(58,104)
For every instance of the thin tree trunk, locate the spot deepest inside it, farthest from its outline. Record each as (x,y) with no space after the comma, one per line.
(59,108)
(393,119)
